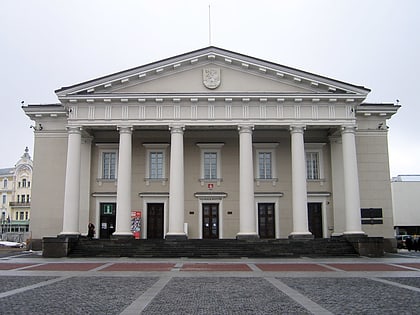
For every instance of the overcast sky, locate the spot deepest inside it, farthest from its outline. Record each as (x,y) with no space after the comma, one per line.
(45,45)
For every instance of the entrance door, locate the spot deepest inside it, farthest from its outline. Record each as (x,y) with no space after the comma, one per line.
(155,220)
(266,220)
(107,219)
(315,219)
(211,220)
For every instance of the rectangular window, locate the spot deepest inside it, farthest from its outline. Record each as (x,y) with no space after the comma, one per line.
(5,199)
(17,216)
(210,165)
(23,199)
(21,215)
(312,165)
(264,165)
(109,165)
(156,165)
(26,215)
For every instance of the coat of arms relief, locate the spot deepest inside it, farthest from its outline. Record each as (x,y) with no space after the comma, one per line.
(211,77)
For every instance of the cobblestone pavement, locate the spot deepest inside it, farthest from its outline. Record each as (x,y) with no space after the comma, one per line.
(30,284)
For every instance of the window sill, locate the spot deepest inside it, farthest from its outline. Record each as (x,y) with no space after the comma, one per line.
(258,181)
(204,181)
(100,181)
(148,181)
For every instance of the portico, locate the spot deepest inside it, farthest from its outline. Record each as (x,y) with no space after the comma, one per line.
(214,144)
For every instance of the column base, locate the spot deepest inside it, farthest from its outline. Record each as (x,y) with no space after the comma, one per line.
(176,237)
(301,236)
(247,236)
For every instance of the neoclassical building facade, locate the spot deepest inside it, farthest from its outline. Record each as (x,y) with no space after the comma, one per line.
(212,144)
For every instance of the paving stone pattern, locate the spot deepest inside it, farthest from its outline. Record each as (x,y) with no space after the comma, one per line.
(8,283)
(357,295)
(78,295)
(410,281)
(227,295)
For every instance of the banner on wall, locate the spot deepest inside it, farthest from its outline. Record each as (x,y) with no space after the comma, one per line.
(136,224)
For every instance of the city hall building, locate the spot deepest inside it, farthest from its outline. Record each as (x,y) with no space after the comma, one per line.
(211,144)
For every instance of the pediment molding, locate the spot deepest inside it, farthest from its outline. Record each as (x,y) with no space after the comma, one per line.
(215,57)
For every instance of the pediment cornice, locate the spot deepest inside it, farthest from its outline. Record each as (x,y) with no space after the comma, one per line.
(253,66)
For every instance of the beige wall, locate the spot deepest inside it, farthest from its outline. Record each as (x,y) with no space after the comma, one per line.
(48,185)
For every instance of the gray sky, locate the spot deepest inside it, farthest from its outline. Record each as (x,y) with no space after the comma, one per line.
(45,45)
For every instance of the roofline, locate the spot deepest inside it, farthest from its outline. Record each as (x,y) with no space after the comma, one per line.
(208,48)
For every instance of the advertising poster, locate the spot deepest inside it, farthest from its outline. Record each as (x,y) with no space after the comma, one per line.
(136,224)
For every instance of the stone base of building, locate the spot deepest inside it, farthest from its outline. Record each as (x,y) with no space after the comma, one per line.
(366,246)
(60,246)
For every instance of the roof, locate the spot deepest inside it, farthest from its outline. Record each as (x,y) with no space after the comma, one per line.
(406,178)
(206,50)
(7,171)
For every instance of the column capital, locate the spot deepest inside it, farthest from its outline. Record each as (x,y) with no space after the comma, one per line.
(74,129)
(297,128)
(348,129)
(177,128)
(245,128)
(125,129)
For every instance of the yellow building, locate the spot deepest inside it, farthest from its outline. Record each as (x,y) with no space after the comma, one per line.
(15,190)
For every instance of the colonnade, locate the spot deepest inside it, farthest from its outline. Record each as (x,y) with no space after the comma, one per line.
(247,221)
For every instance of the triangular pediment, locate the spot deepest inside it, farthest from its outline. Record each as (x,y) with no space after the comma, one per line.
(212,71)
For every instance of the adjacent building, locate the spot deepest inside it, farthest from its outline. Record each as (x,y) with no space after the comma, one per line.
(15,190)
(406,204)
(212,144)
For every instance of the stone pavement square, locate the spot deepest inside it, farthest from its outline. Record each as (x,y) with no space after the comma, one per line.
(214,267)
(10,266)
(222,295)
(66,266)
(292,267)
(356,295)
(78,295)
(139,267)
(9,283)
(367,267)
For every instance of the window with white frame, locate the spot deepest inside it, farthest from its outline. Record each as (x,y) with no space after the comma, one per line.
(265,162)
(313,157)
(210,165)
(155,161)
(109,165)
(156,165)
(211,157)
(5,183)
(108,162)
(264,165)
(312,165)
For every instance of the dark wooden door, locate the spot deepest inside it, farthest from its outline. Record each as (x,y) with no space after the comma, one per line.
(266,220)
(211,220)
(315,219)
(154,220)
(107,219)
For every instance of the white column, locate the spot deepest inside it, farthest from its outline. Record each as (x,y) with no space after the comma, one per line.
(247,215)
(299,192)
(123,219)
(176,184)
(72,183)
(351,182)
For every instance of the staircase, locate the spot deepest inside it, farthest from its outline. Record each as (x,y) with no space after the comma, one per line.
(223,248)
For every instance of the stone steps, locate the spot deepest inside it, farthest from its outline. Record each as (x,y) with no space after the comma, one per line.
(225,248)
